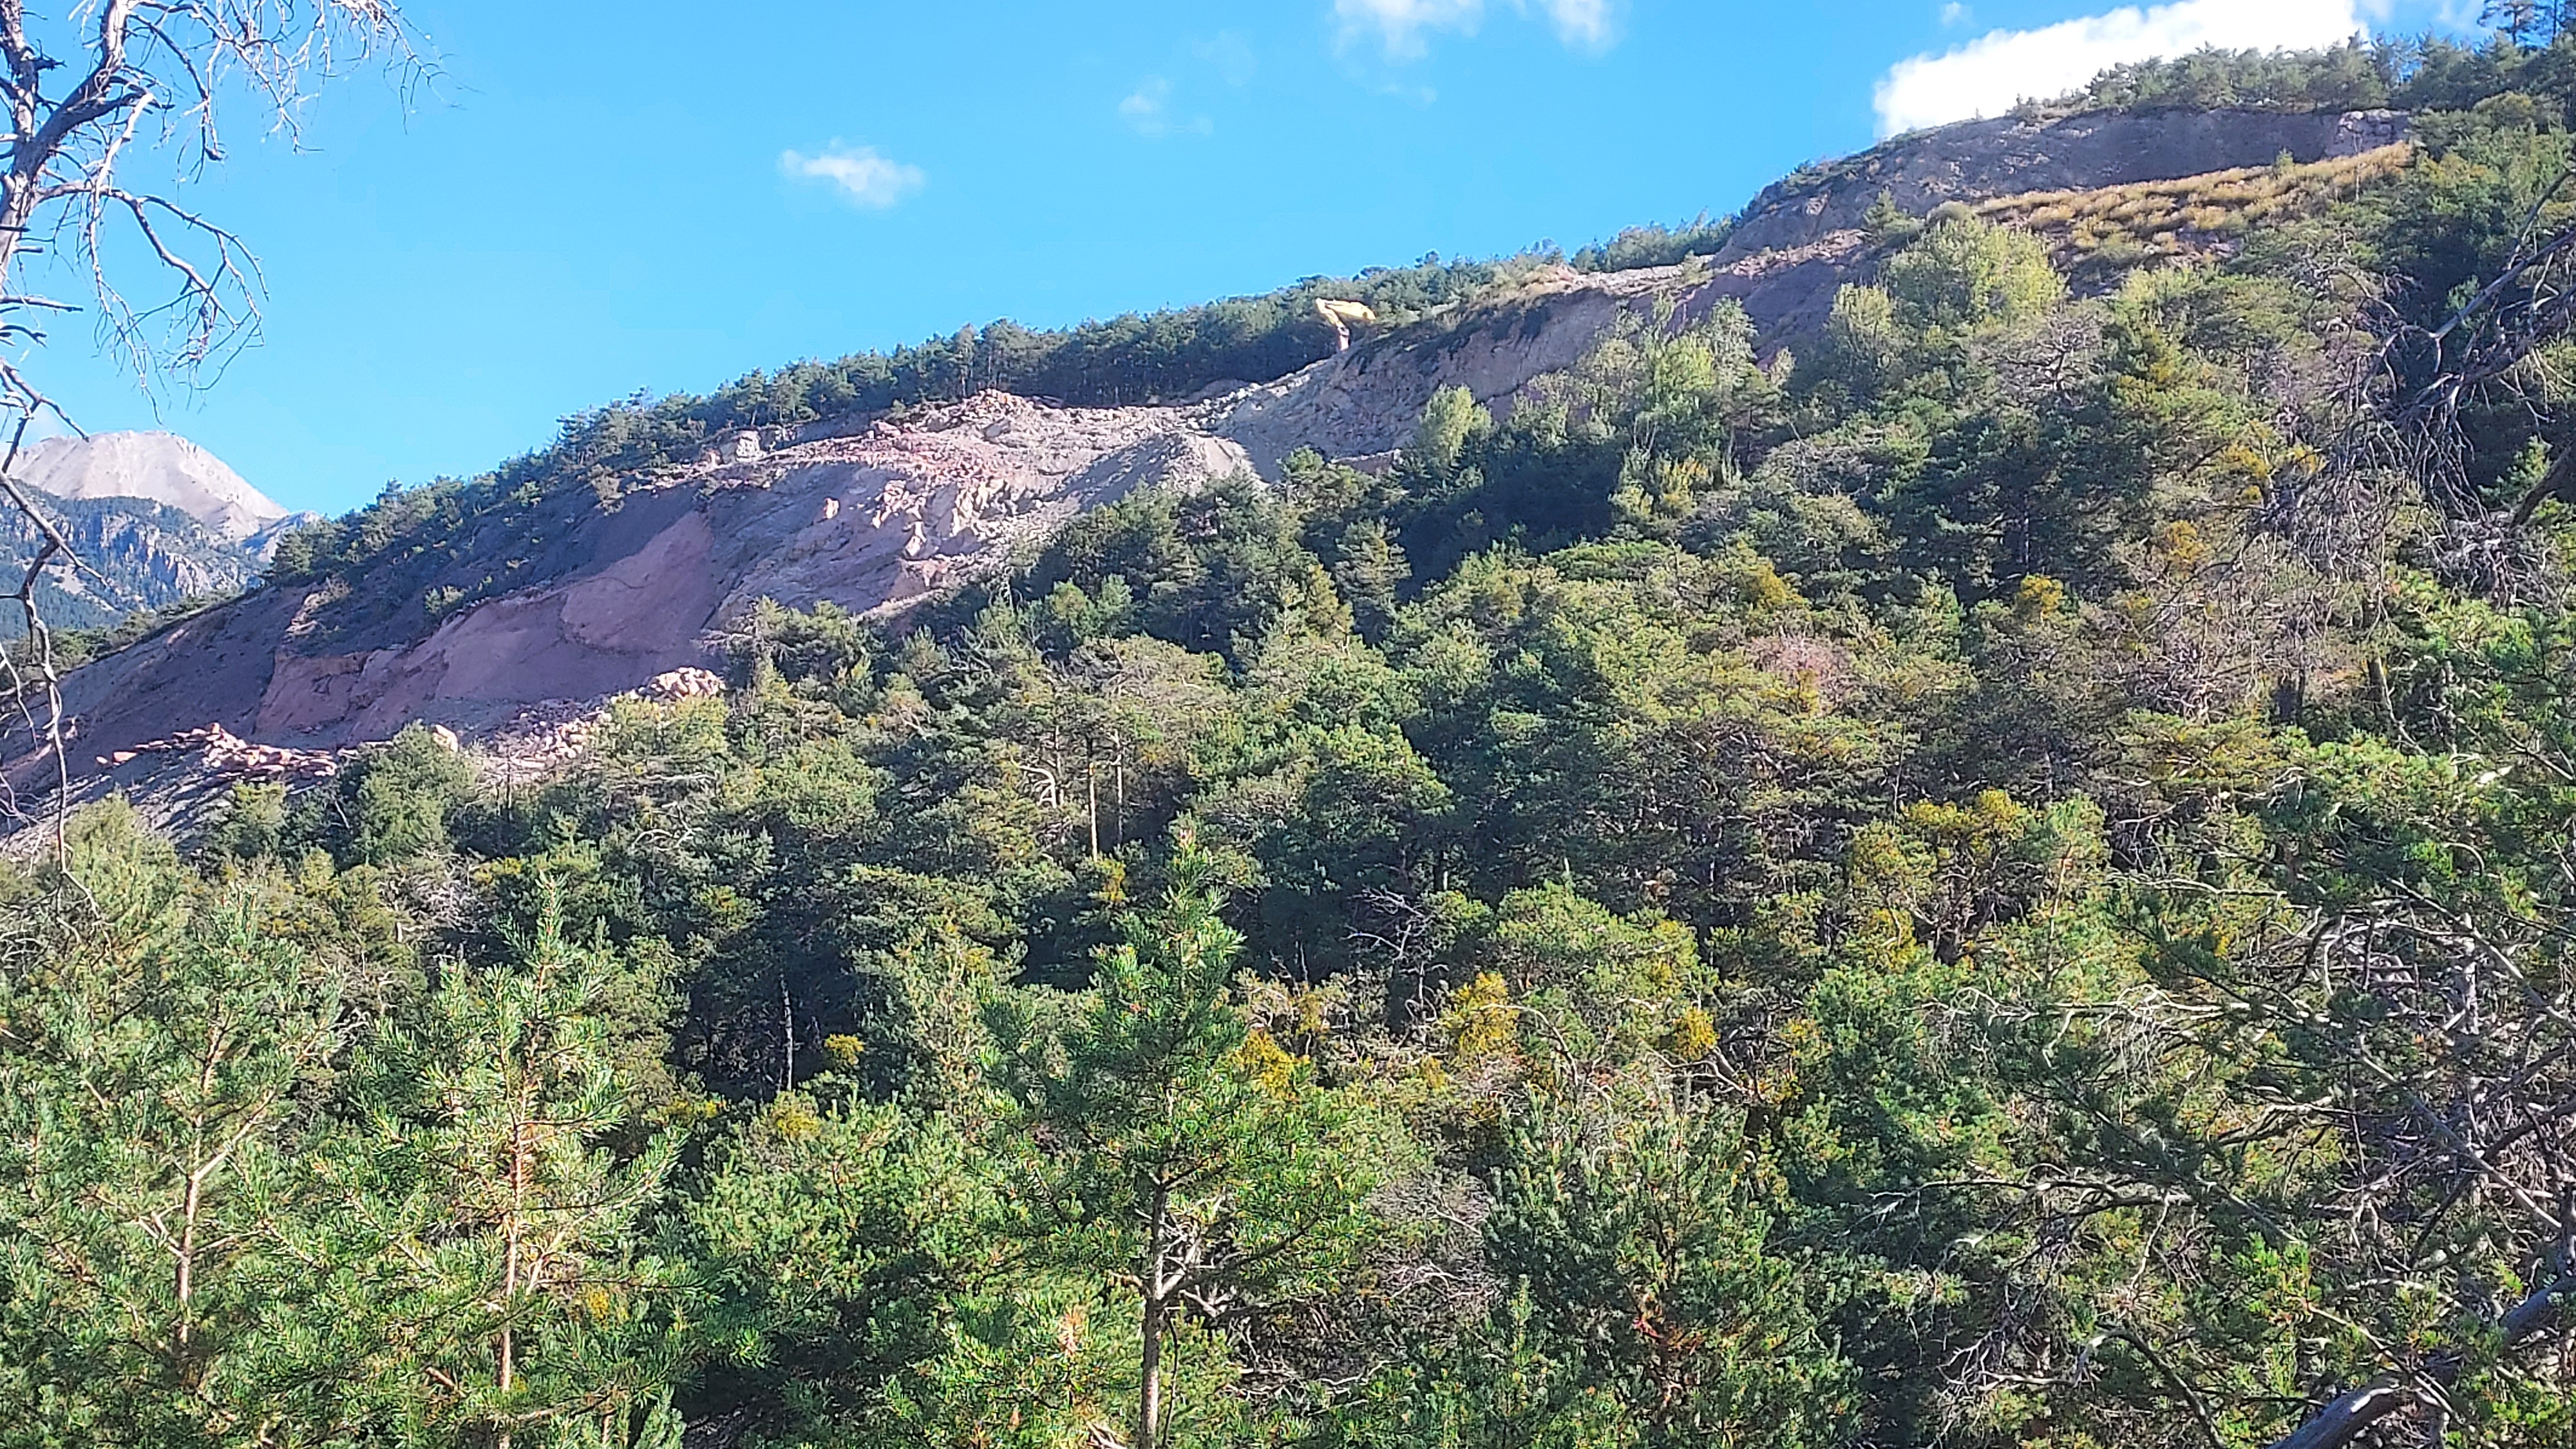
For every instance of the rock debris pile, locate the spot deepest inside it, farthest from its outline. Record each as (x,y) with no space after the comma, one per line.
(229,756)
(544,739)
(535,745)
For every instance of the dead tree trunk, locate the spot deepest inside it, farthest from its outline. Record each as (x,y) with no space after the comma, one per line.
(2344,1420)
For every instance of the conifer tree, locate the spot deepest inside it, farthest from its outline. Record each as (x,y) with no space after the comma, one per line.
(157,1054)
(1201,1166)
(490,1253)
(2519,21)
(1646,1245)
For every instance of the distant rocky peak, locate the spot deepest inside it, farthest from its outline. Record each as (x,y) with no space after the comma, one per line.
(156,466)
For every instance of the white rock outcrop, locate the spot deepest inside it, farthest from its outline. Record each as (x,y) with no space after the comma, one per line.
(160,467)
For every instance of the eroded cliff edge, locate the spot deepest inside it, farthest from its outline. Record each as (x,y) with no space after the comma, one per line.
(873,514)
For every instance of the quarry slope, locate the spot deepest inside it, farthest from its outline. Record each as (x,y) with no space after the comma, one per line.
(873,514)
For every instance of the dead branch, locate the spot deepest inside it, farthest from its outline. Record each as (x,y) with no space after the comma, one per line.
(2499,331)
(145,76)
(2343,1421)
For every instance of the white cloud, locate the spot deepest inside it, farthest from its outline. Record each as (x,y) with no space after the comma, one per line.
(863,177)
(1987,76)
(1580,22)
(1954,13)
(1148,112)
(1401,25)
(1144,107)
(1229,55)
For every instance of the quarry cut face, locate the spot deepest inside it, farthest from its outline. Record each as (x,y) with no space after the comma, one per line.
(874,515)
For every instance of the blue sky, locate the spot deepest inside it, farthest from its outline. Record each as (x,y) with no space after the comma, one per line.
(600,198)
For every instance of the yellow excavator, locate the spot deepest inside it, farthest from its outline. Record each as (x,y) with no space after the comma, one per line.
(1344,318)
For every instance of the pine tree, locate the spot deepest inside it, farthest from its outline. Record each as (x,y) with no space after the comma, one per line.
(490,1255)
(2519,21)
(1202,1164)
(157,1047)
(1643,1248)
(1887,223)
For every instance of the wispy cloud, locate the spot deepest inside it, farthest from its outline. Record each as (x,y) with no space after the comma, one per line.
(1228,56)
(1581,22)
(1954,13)
(858,173)
(1401,27)
(1986,76)
(1148,112)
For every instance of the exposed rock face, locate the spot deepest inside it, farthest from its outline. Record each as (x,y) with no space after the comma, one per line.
(1978,160)
(1367,399)
(868,522)
(874,514)
(162,467)
(149,553)
(135,554)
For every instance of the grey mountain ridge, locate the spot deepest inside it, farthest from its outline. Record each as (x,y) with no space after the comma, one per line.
(156,466)
(155,519)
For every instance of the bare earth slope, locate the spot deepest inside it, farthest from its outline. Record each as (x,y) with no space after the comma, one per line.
(868,521)
(876,518)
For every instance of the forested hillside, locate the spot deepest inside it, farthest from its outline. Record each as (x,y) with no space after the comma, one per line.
(138,555)
(2002,874)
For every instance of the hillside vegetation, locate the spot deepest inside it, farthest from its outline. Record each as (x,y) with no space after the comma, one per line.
(2000,877)
(2117,227)
(2429,73)
(137,555)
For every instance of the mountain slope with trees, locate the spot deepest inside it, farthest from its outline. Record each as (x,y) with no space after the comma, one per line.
(135,555)
(476,604)
(156,523)
(1996,876)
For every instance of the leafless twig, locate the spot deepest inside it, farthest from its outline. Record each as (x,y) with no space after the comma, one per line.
(143,76)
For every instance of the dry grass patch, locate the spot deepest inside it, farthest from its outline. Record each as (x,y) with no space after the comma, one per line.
(2120,225)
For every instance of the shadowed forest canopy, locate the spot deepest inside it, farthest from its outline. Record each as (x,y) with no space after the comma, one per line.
(2003,876)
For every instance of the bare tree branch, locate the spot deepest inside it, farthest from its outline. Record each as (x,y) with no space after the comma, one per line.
(2347,1418)
(145,76)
